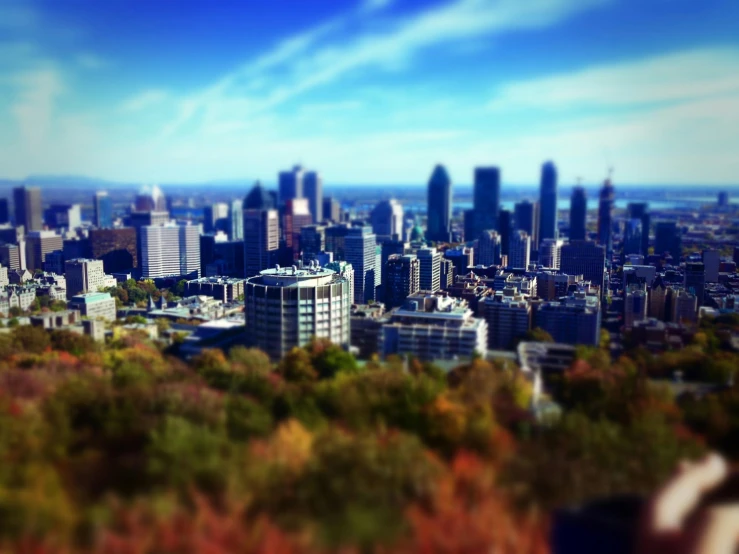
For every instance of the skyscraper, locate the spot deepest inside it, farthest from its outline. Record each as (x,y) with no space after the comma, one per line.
(524,218)
(439,227)
(584,257)
(640,211)
(550,253)
(215,217)
(633,235)
(28,212)
(578,213)
(290,184)
(486,199)
(115,247)
(295,216)
(403,277)
(488,248)
(4,214)
(261,231)
(313,191)
(548,202)
(103,207)
(63,216)
(360,250)
(331,209)
(668,239)
(40,243)
(387,220)
(429,261)
(150,199)
(236,220)
(505,228)
(605,217)
(519,250)
(170,249)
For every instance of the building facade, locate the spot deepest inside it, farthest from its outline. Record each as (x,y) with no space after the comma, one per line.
(83,276)
(403,279)
(170,249)
(434,327)
(287,307)
(94,305)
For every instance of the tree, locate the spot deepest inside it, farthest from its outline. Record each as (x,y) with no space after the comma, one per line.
(31,339)
(329,359)
(15,311)
(162,324)
(297,366)
(58,306)
(537,334)
(179,288)
(250,360)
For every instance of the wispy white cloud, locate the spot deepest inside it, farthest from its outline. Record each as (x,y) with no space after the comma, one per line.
(665,78)
(143,100)
(311,59)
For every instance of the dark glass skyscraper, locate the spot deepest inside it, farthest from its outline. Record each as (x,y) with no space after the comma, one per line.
(548,202)
(439,226)
(290,184)
(578,213)
(504,230)
(640,211)
(486,199)
(668,239)
(523,217)
(4,215)
(605,217)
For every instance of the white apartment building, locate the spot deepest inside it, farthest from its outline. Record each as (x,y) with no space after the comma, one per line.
(169,249)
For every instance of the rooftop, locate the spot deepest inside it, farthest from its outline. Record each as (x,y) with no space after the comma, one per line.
(91,297)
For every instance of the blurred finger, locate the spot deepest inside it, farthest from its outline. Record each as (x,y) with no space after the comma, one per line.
(682,493)
(720,534)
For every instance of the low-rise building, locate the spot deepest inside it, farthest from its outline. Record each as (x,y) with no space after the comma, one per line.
(221,288)
(55,320)
(366,322)
(94,305)
(574,319)
(434,327)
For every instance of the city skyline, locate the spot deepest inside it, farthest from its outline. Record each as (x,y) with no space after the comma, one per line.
(121,93)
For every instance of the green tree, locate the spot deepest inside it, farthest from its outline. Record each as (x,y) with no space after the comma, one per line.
(31,339)
(296,366)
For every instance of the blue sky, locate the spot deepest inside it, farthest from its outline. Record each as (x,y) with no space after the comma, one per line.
(370,91)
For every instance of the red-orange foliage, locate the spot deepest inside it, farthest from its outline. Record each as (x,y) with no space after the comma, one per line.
(470,514)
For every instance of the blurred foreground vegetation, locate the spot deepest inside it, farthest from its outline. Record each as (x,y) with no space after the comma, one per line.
(124,449)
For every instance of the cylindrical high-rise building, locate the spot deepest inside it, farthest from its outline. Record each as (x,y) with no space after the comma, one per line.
(439,226)
(287,307)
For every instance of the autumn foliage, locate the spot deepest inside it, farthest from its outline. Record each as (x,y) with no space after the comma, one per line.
(121,449)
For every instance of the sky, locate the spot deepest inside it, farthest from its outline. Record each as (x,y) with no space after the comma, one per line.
(370,91)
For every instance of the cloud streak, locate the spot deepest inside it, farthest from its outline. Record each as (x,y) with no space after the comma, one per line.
(672,77)
(311,60)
